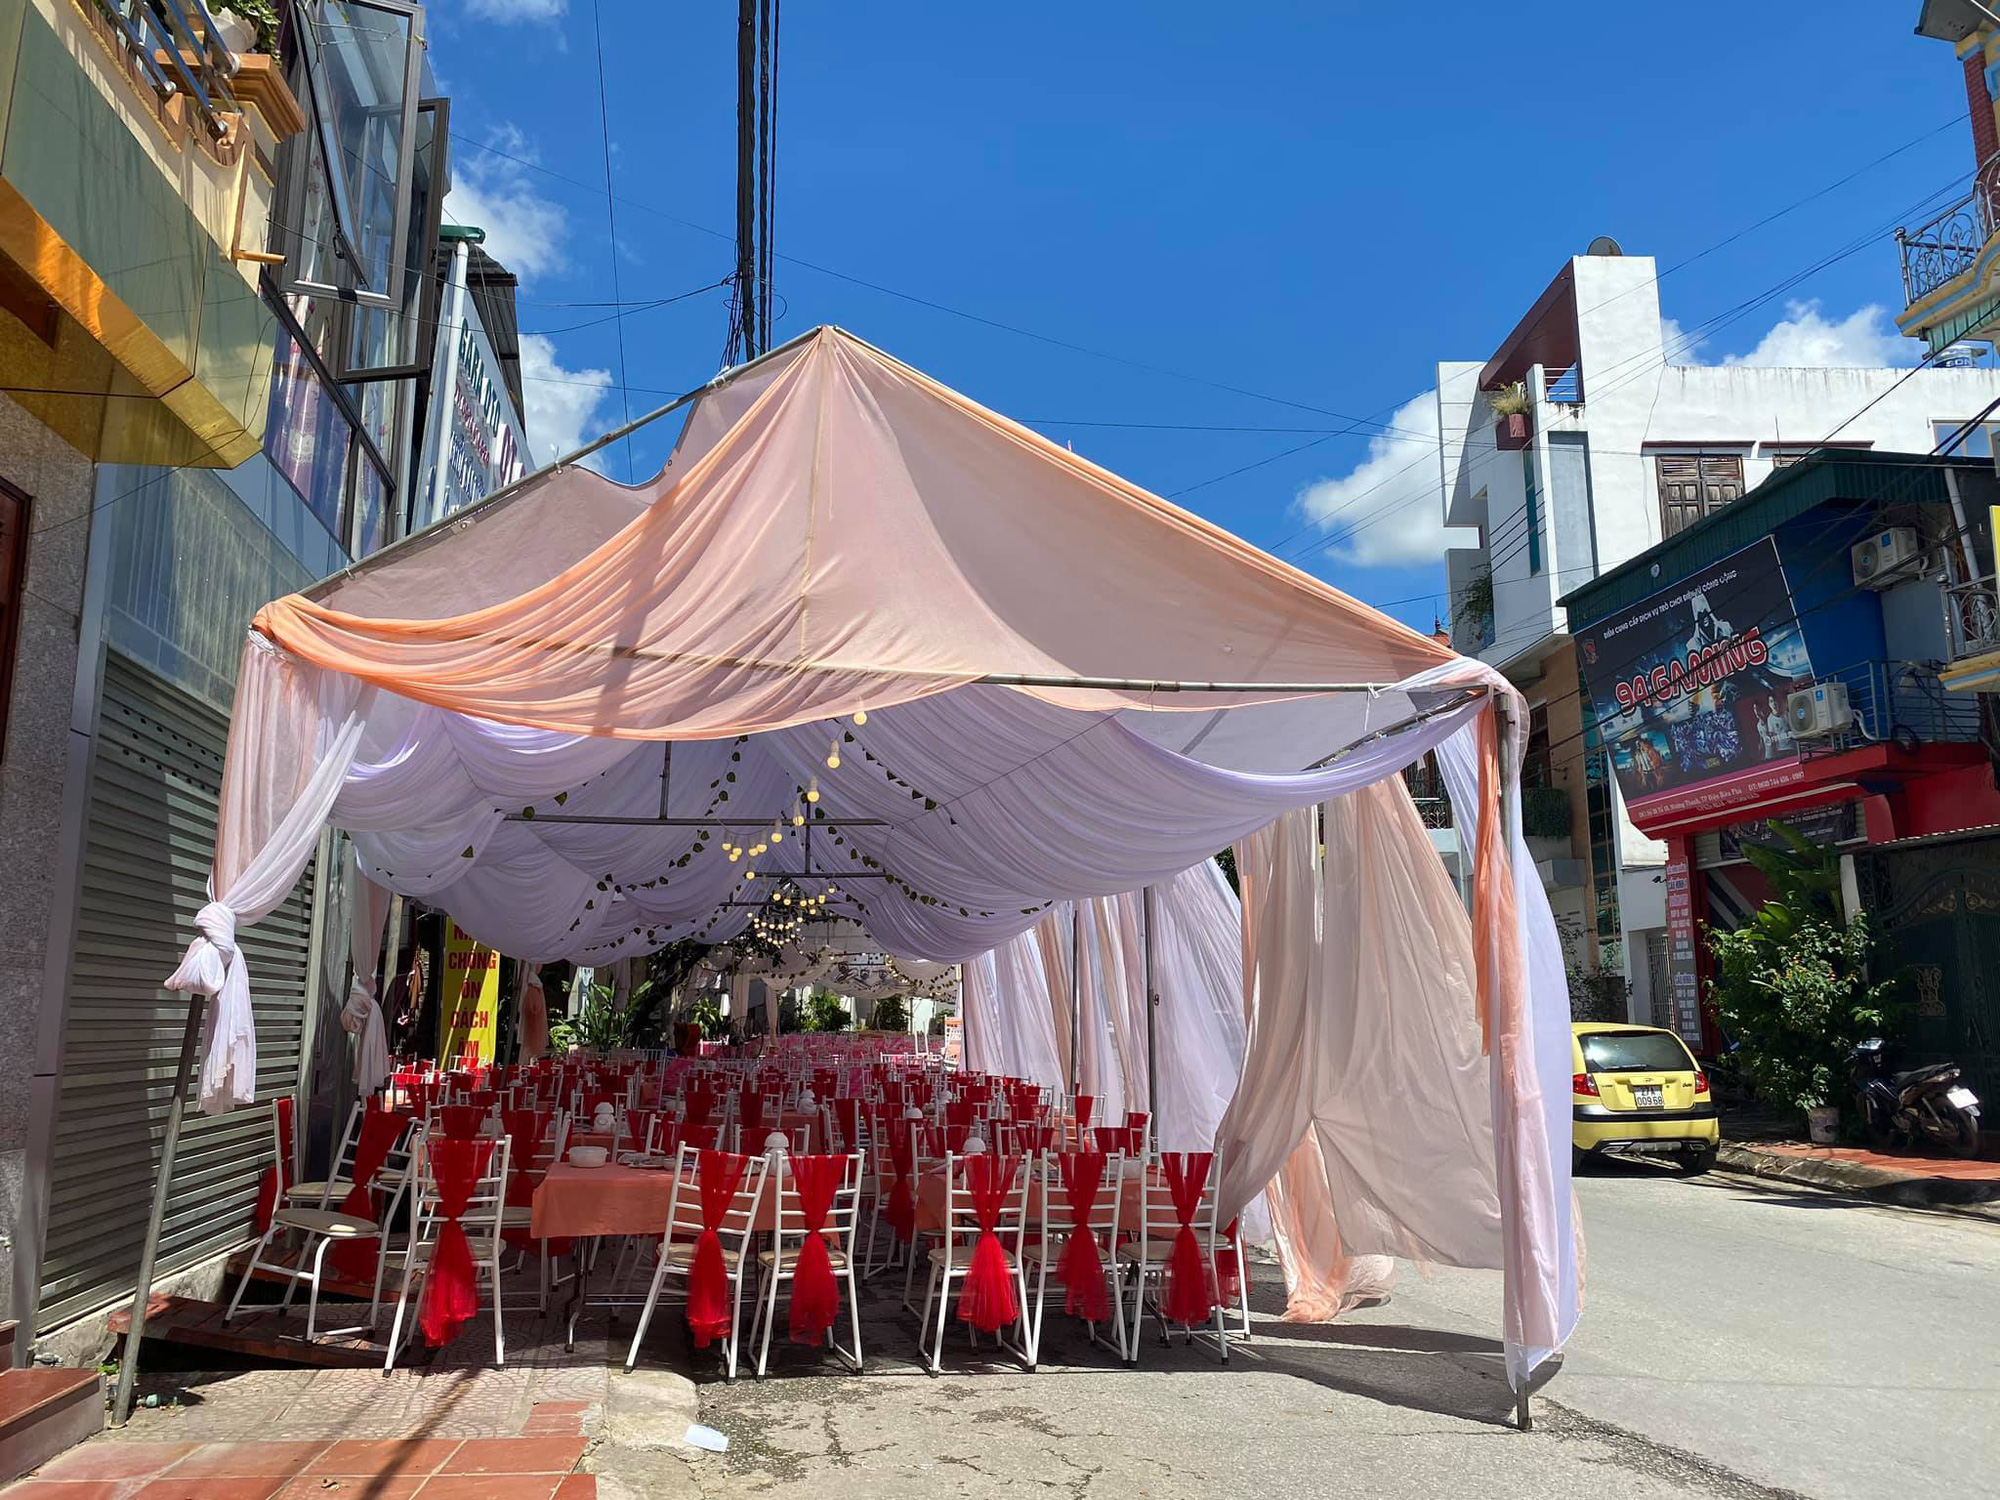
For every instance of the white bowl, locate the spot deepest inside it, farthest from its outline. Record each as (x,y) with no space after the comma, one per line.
(588,1156)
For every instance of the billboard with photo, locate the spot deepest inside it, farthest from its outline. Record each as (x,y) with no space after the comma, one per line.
(1689,684)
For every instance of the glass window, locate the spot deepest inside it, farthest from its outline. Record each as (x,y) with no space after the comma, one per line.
(306,432)
(1960,440)
(361,65)
(371,506)
(1634,1052)
(1533,502)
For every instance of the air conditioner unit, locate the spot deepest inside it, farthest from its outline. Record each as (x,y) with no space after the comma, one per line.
(1819,710)
(1886,557)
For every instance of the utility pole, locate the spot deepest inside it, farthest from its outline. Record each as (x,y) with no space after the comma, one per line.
(746,177)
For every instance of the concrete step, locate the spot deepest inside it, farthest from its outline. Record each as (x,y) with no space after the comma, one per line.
(44,1411)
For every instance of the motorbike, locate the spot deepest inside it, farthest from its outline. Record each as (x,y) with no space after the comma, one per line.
(1927,1105)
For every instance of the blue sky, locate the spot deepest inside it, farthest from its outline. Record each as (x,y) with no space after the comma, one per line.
(1312,202)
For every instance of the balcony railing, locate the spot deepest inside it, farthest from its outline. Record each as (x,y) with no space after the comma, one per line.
(1901,701)
(1972,616)
(1935,252)
(1563,387)
(174,46)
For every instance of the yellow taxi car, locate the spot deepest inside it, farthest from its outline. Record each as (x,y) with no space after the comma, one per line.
(1638,1089)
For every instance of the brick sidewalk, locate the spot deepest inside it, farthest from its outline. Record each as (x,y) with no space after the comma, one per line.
(1948,1184)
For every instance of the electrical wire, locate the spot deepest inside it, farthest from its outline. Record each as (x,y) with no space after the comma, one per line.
(611,220)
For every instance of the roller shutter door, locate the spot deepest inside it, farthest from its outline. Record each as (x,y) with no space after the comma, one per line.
(156,783)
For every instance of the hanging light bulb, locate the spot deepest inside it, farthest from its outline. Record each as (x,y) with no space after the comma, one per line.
(833,757)
(749,874)
(798,817)
(777,835)
(860,717)
(757,848)
(812,790)
(734,855)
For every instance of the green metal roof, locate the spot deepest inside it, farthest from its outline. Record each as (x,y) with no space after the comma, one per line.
(1857,477)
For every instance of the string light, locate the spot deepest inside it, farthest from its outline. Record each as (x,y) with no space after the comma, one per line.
(833,757)
(812,791)
(734,855)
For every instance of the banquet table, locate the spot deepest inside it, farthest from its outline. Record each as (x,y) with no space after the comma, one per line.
(573,1202)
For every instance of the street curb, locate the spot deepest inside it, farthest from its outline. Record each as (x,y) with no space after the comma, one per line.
(1970,1199)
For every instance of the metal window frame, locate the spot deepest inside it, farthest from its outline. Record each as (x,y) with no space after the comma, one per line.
(430,302)
(346,240)
(358,439)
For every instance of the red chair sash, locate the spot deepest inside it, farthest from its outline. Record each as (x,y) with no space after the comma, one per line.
(461,1121)
(1085,1103)
(1228,1278)
(277,1178)
(1081,1269)
(1120,1138)
(902,1210)
(708,1314)
(696,1106)
(987,1300)
(1190,1279)
(451,1290)
(815,1290)
(354,1260)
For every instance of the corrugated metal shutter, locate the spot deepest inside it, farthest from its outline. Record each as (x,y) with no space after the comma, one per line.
(155,787)
(1708,849)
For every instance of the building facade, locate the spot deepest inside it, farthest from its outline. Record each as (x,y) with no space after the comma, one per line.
(1577,445)
(1780,660)
(218,316)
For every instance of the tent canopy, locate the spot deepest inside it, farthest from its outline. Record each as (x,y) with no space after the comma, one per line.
(988,676)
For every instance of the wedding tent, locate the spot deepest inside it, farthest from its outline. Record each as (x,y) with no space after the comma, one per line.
(896,650)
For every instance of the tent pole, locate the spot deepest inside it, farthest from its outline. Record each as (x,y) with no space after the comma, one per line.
(1503,727)
(1152,1029)
(1075,1003)
(128,1364)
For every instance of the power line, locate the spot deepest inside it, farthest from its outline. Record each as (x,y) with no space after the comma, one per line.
(611,219)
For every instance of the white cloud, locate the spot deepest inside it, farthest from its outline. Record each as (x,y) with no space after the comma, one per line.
(525,231)
(1805,338)
(562,404)
(509,11)
(1388,511)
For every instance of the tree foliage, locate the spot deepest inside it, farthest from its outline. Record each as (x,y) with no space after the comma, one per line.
(823,1012)
(890,1015)
(1793,988)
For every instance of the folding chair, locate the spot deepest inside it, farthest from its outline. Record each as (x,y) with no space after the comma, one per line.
(480,1214)
(966,1226)
(714,1201)
(321,1228)
(1174,1253)
(833,1225)
(1082,1195)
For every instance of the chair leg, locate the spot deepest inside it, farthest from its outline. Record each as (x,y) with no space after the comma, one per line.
(767,1298)
(396,1328)
(499,1323)
(646,1314)
(944,1310)
(312,1297)
(854,1320)
(256,1257)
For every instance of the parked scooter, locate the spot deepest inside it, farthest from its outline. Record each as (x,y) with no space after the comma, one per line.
(1924,1104)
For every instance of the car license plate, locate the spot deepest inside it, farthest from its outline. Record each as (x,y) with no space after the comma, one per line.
(1962,1098)
(1647,1096)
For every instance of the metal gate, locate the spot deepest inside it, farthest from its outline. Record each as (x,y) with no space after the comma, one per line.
(155,784)
(1936,908)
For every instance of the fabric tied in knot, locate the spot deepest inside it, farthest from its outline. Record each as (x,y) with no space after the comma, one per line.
(356,1259)
(451,1290)
(1190,1278)
(987,1299)
(1081,1269)
(708,1313)
(815,1291)
(212,966)
(361,1018)
(902,1210)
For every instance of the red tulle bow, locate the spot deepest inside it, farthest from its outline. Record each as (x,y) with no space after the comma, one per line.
(708,1314)
(987,1299)
(1081,1269)
(815,1291)
(451,1291)
(1190,1279)
(354,1260)
(277,1177)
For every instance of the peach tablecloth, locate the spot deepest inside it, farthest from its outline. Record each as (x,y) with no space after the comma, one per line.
(579,1202)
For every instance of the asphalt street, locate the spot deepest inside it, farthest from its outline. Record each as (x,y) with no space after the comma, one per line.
(1737,1340)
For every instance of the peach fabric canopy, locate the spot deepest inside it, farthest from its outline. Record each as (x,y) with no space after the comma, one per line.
(1041,683)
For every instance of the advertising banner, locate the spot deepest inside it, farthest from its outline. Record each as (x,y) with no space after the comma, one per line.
(1689,686)
(471,1001)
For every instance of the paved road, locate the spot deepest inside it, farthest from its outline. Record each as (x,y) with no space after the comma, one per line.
(1794,1337)
(1738,1341)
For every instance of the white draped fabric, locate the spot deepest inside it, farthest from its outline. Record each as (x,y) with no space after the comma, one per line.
(361,1018)
(547,720)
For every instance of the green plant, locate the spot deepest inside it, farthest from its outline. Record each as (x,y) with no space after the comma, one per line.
(705,1011)
(1472,610)
(823,1012)
(599,1027)
(1510,400)
(1792,987)
(1545,812)
(262,14)
(890,1015)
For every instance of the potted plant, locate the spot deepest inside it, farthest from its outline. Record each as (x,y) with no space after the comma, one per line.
(1793,987)
(1511,405)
